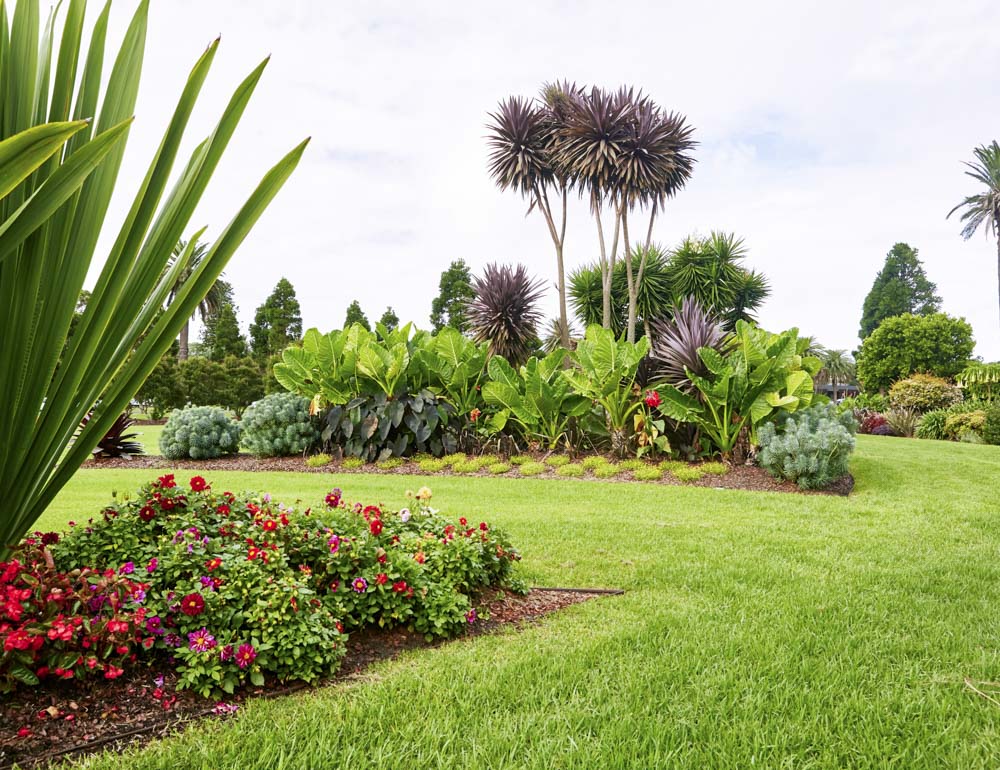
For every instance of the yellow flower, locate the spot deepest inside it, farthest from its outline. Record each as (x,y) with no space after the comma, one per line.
(424,493)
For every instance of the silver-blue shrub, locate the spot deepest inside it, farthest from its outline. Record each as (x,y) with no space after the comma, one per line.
(199,433)
(279,425)
(811,447)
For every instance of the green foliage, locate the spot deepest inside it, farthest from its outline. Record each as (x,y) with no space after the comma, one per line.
(604,372)
(161,391)
(221,336)
(593,461)
(355,315)
(901,287)
(498,469)
(389,319)
(932,425)
(874,402)
(647,473)
(532,468)
(352,463)
(454,294)
(390,464)
(202,382)
(376,428)
(557,460)
(980,380)
(431,465)
(991,426)
(199,433)
(811,447)
(573,470)
(319,460)
(903,422)
(607,471)
(454,457)
(936,344)
(958,425)
(520,459)
(279,425)
(761,374)
(277,323)
(60,156)
(923,393)
(632,465)
(687,473)
(243,384)
(716,468)
(537,399)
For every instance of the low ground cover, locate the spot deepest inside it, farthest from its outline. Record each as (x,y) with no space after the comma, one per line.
(756,629)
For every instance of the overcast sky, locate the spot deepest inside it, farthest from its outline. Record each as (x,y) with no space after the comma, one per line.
(827,133)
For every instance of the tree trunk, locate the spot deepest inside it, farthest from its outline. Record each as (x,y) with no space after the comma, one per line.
(182,342)
(998,266)
(605,275)
(633,289)
(563,315)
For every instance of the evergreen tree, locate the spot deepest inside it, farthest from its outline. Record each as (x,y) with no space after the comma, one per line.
(389,319)
(355,315)
(454,293)
(900,287)
(277,323)
(221,336)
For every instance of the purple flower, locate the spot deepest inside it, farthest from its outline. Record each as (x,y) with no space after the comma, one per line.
(226,653)
(470,616)
(267,497)
(225,708)
(153,564)
(201,641)
(154,625)
(127,568)
(172,640)
(138,596)
(159,680)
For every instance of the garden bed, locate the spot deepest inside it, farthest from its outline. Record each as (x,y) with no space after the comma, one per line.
(71,719)
(744,477)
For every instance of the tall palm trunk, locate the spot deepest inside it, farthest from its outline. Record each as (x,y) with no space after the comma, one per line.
(182,342)
(998,266)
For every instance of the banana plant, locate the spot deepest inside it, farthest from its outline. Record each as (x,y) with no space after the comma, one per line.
(604,372)
(537,398)
(58,169)
(761,374)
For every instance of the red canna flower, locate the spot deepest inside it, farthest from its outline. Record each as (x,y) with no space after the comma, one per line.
(652,399)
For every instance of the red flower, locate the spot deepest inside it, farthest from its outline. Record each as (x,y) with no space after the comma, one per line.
(223,509)
(147,512)
(419,557)
(381,578)
(463,521)
(193,604)
(198,484)
(399,586)
(474,415)
(24,732)
(375,526)
(339,626)
(213,563)
(482,526)
(252,553)
(371,510)
(112,672)
(652,399)
(269,525)
(50,538)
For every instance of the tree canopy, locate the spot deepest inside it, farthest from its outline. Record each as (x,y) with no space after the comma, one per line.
(221,336)
(277,323)
(900,287)
(355,315)
(454,294)
(936,344)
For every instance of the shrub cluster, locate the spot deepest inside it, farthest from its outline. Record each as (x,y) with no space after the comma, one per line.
(77,624)
(810,447)
(991,426)
(958,420)
(923,393)
(279,425)
(239,587)
(199,433)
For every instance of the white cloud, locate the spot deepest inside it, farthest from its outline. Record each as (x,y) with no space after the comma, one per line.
(828,133)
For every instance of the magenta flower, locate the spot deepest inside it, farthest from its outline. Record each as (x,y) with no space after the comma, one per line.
(127,568)
(470,616)
(151,567)
(226,653)
(334,544)
(245,655)
(360,585)
(201,641)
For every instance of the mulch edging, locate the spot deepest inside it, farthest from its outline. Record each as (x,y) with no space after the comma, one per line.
(71,719)
(745,477)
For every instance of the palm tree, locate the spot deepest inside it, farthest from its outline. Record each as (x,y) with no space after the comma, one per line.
(838,369)
(218,293)
(983,209)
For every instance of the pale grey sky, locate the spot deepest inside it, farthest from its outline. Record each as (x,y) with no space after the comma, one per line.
(828,132)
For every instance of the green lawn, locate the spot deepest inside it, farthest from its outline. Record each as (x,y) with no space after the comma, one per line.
(758,630)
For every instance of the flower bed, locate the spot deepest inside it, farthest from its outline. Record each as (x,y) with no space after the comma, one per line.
(231,589)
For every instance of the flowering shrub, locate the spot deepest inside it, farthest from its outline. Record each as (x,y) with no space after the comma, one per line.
(279,425)
(199,432)
(240,586)
(66,625)
(923,393)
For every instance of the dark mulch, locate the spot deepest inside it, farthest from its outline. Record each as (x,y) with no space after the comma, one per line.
(71,719)
(748,477)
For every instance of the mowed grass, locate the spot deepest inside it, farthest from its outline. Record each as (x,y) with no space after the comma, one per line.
(757,630)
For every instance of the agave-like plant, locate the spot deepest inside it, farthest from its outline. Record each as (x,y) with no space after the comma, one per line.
(505,311)
(58,169)
(118,442)
(677,339)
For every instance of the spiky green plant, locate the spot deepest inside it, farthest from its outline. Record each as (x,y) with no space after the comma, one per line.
(58,169)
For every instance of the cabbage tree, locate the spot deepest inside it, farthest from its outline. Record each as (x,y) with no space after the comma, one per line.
(64,123)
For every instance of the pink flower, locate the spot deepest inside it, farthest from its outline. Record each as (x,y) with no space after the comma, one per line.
(360,585)
(201,641)
(334,543)
(245,655)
